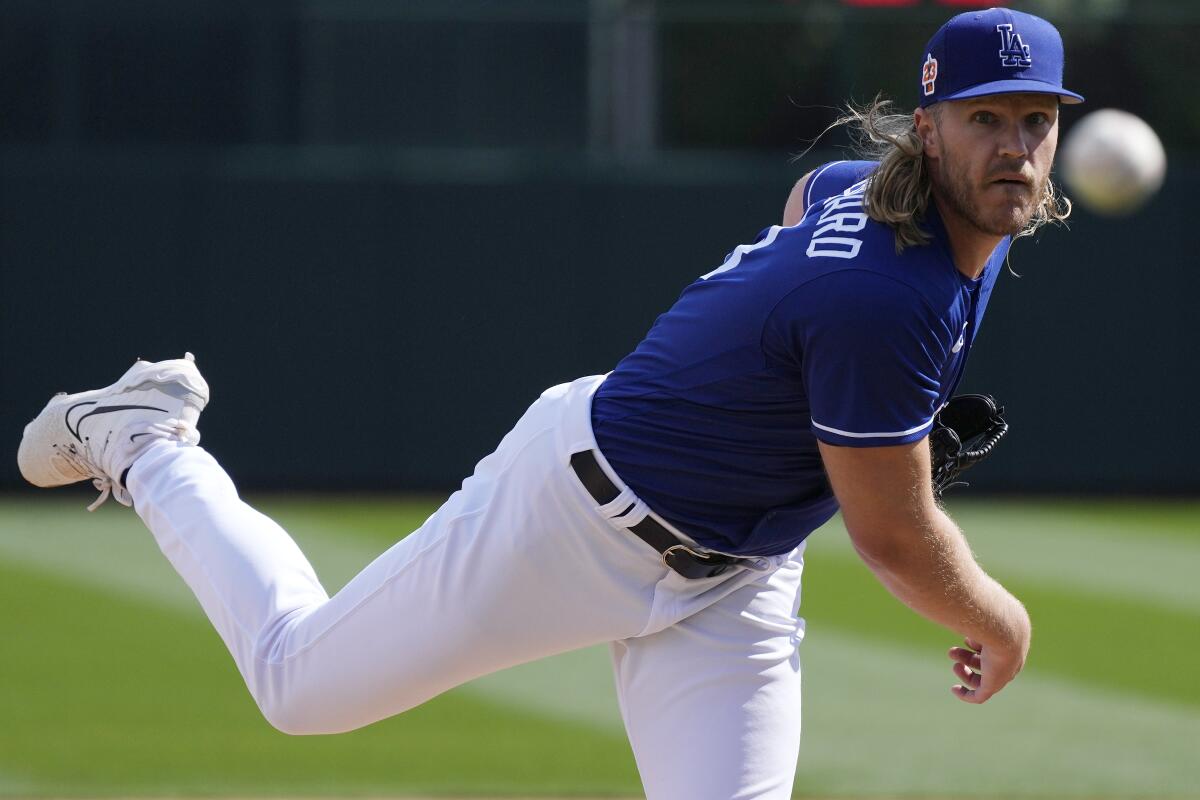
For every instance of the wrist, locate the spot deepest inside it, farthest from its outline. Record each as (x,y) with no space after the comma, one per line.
(1011,629)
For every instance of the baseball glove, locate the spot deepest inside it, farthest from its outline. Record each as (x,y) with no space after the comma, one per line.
(964,433)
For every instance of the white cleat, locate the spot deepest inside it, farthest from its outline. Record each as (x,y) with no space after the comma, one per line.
(99,434)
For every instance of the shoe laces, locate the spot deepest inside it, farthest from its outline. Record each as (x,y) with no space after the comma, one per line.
(90,455)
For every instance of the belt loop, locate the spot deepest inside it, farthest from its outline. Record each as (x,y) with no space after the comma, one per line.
(620,503)
(634,514)
(626,510)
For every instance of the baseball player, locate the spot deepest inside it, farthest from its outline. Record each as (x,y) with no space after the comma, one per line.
(663,508)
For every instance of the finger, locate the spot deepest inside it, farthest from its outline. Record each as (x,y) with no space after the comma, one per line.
(964,694)
(973,645)
(974,696)
(964,656)
(967,676)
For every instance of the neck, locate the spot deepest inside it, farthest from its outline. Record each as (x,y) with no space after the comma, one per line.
(969,246)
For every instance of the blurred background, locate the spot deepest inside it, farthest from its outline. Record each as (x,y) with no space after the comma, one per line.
(471,201)
(385,226)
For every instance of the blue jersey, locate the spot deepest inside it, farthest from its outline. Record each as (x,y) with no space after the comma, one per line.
(815,331)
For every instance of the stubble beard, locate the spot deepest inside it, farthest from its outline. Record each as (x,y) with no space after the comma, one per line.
(957,190)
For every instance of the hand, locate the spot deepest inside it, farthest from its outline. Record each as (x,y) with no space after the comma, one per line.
(984,672)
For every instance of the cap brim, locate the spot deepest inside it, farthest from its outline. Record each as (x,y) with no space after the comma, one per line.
(1016,87)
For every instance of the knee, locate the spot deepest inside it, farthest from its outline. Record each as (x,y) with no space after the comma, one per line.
(296,715)
(291,697)
(295,704)
(301,695)
(299,709)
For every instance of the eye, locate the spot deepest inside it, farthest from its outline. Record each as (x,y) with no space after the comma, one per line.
(984,117)
(1038,118)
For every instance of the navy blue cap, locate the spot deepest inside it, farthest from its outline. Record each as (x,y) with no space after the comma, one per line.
(997,51)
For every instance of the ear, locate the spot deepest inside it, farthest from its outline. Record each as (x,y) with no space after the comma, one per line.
(927,130)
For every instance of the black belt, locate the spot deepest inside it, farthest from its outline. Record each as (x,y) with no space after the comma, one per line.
(675,554)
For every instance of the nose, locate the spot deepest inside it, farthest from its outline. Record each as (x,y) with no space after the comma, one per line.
(1013,142)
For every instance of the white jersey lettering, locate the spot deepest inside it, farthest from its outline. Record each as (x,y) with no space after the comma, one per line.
(841,223)
(834,220)
(834,247)
(735,257)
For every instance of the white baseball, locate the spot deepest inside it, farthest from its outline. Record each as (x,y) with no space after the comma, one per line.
(1113,162)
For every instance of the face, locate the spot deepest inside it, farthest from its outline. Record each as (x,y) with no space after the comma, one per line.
(990,157)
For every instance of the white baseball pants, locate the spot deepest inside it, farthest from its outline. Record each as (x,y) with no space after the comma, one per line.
(520,563)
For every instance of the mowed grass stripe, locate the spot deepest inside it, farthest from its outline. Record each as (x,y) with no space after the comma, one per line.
(13,786)
(1146,550)
(576,685)
(1095,636)
(111,548)
(861,685)
(1161,517)
(1107,642)
(880,720)
(1035,542)
(1066,548)
(109,696)
(1118,566)
(160,709)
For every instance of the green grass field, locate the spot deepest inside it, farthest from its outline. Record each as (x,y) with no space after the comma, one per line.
(113,684)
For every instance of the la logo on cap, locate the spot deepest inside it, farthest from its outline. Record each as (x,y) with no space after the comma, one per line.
(929,73)
(1013,51)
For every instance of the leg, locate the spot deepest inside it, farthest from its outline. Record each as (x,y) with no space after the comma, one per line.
(518,564)
(712,703)
(515,566)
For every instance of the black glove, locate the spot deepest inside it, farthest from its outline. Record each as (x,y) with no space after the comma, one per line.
(964,433)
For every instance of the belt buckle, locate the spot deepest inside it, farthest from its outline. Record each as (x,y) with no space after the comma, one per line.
(697,566)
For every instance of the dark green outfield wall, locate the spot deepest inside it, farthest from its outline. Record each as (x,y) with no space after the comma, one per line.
(385,331)
(384,227)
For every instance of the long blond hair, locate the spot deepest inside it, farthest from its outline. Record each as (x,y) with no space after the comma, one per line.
(899,191)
